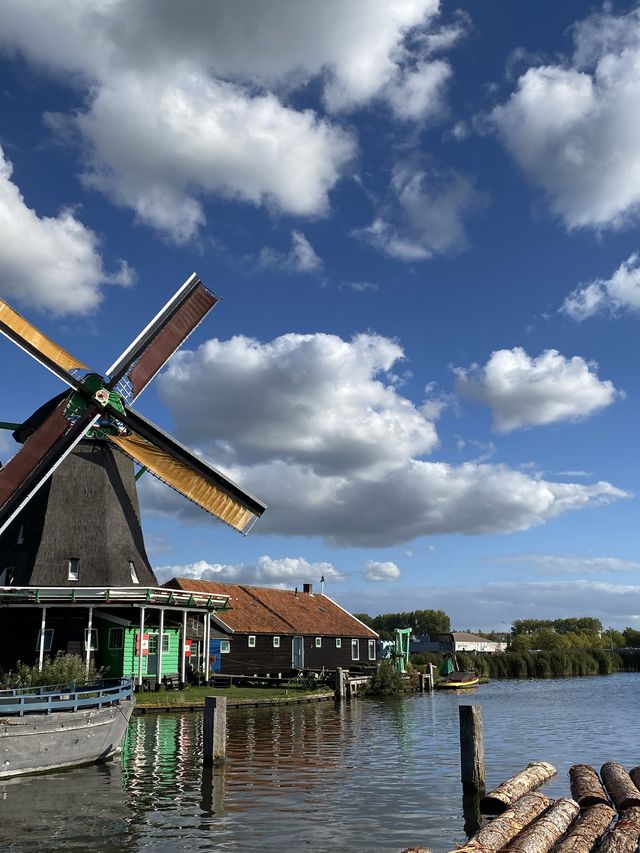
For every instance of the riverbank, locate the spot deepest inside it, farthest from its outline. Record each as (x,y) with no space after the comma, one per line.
(192,698)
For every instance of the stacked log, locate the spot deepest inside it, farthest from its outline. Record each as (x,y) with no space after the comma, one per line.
(635,776)
(541,836)
(512,789)
(588,830)
(586,787)
(618,783)
(510,823)
(625,835)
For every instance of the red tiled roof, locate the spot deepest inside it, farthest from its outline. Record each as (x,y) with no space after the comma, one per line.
(263,610)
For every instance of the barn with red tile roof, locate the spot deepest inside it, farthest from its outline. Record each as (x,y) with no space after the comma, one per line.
(275,631)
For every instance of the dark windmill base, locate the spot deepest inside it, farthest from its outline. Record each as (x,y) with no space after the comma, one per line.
(82,528)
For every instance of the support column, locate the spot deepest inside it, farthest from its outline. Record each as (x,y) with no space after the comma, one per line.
(159,674)
(183,664)
(43,625)
(140,647)
(207,633)
(87,643)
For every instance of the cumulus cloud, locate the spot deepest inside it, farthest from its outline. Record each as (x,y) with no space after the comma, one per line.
(182,106)
(573,127)
(423,215)
(557,564)
(488,606)
(302,258)
(388,571)
(610,296)
(285,571)
(49,262)
(317,427)
(523,391)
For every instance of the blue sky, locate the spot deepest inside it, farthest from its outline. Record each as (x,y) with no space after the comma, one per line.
(422,220)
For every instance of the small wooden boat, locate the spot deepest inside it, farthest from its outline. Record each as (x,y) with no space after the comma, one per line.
(47,728)
(458,680)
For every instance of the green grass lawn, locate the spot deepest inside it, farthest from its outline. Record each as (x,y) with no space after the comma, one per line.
(195,695)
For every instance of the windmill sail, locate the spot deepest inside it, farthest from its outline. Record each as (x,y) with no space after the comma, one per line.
(37,459)
(168,330)
(38,346)
(172,463)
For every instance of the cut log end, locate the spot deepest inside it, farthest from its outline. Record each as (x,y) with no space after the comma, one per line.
(586,787)
(620,786)
(534,775)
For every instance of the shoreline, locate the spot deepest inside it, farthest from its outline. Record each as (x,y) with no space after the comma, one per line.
(140,710)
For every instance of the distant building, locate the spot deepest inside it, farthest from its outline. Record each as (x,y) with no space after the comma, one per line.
(273,631)
(456,641)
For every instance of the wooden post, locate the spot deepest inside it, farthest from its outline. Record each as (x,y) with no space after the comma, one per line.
(214,730)
(140,648)
(341,689)
(471,746)
(160,655)
(207,643)
(432,676)
(183,662)
(43,625)
(87,643)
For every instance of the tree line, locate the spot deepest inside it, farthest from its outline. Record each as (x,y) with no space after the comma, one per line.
(421,622)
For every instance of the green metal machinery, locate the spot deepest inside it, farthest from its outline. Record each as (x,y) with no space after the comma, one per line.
(400,654)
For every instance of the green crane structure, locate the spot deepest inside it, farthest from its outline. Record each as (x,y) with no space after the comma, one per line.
(400,654)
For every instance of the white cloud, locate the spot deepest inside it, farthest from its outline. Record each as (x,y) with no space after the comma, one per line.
(523,391)
(574,127)
(557,564)
(488,606)
(285,571)
(423,215)
(619,293)
(49,262)
(179,106)
(375,571)
(316,426)
(302,258)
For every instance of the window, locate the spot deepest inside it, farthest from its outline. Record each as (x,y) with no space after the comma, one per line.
(48,639)
(372,649)
(318,642)
(166,644)
(252,641)
(116,638)
(94,639)
(225,647)
(355,649)
(338,642)
(6,576)
(73,569)
(276,642)
(20,538)
(132,572)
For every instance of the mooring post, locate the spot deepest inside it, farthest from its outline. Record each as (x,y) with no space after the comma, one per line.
(341,688)
(432,676)
(214,731)
(471,746)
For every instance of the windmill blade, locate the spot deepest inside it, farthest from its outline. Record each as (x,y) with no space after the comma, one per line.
(155,345)
(39,346)
(176,466)
(38,458)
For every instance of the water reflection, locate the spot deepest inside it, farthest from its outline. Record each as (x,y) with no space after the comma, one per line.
(369,776)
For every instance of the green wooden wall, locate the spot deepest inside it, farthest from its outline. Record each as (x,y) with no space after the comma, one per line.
(124,661)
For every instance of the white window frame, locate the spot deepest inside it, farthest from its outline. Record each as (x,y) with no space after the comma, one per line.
(48,639)
(166,644)
(110,642)
(338,642)
(251,641)
(276,642)
(94,639)
(73,568)
(318,642)
(225,647)
(371,644)
(355,647)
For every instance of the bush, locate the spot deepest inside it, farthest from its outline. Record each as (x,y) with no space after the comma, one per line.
(61,669)
(386,681)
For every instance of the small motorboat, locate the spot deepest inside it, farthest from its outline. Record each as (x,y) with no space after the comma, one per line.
(452,678)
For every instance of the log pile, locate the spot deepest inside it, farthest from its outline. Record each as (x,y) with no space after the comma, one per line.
(530,822)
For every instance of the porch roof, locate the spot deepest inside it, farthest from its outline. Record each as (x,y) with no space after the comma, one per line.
(118,596)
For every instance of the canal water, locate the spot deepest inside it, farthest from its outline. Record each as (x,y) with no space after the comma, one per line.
(373,775)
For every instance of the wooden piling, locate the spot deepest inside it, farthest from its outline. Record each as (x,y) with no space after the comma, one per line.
(471,746)
(214,730)
(341,684)
(586,787)
(512,789)
(618,783)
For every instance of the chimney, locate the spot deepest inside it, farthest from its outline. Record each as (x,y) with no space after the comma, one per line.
(308,588)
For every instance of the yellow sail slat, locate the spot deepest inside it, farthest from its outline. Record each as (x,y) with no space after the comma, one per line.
(28,333)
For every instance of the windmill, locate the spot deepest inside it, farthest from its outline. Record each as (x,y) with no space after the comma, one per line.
(50,510)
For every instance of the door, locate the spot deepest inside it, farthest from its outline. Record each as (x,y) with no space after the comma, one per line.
(214,655)
(152,657)
(297,653)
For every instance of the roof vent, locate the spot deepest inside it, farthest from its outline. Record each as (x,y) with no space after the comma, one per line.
(308,588)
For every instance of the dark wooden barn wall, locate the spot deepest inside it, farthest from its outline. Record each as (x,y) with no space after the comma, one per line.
(264,658)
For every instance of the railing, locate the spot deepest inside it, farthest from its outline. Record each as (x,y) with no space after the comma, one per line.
(114,596)
(48,698)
